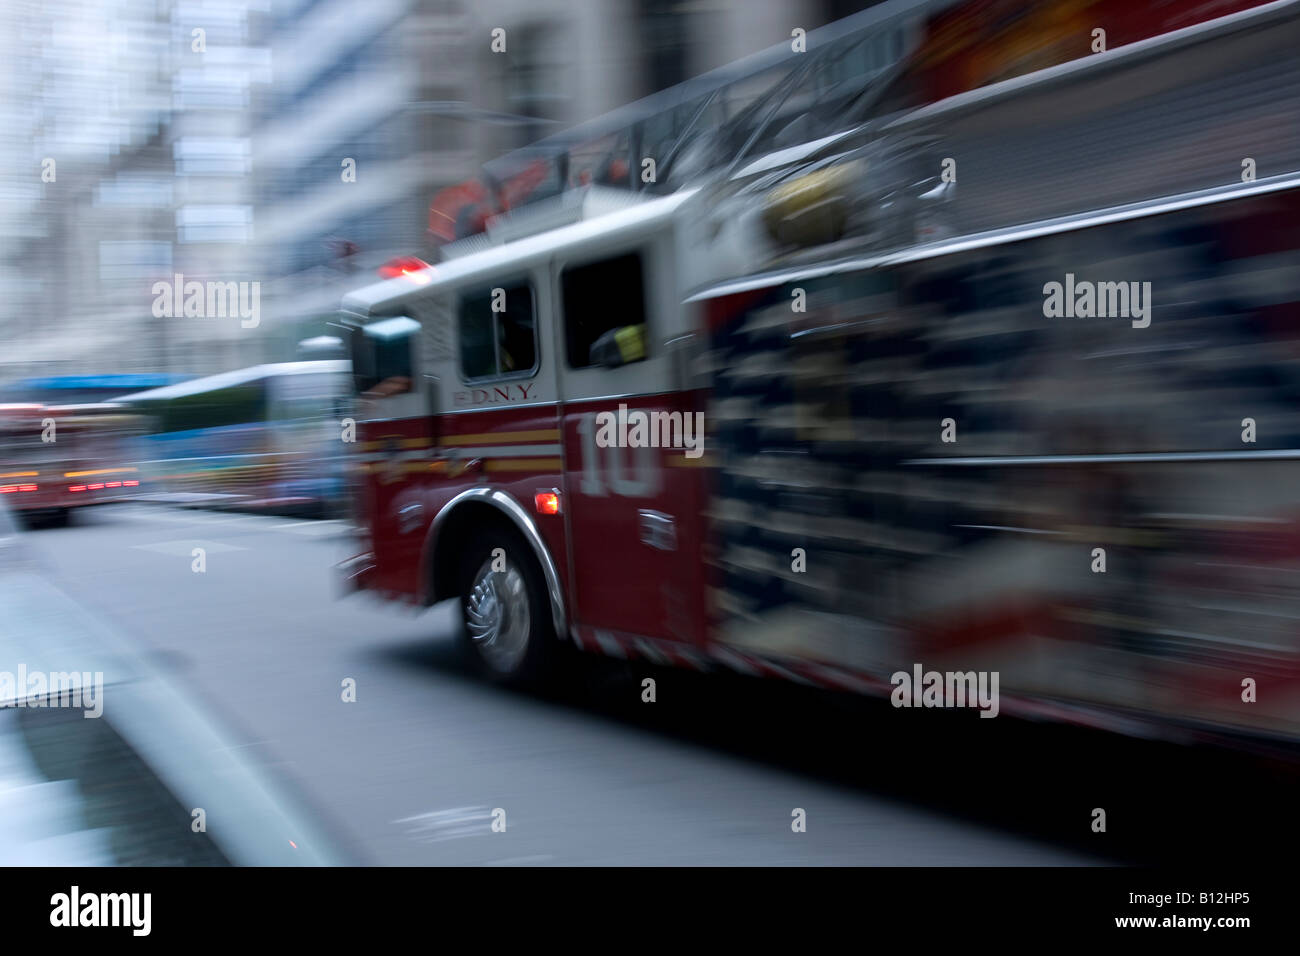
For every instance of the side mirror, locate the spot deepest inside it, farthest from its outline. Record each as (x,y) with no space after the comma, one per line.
(361,351)
(431,400)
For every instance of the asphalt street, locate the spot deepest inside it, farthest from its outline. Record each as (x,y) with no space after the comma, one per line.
(586,772)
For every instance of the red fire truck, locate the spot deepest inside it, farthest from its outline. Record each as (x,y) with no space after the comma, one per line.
(911,460)
(54,458)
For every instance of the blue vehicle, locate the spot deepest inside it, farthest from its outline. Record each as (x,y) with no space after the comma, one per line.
(84,389)
(266,437)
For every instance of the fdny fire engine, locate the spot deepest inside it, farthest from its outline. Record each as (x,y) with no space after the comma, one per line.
(909,458)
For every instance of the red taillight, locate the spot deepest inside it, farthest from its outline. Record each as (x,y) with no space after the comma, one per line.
(26,487)
(547,502)
(112,484)
(96,487)
(8,489)
(76,487)
(129,484)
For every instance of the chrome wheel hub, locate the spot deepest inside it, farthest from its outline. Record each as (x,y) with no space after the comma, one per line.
(497,616)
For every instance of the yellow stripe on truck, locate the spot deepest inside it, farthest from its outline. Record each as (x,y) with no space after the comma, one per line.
(98,471)
(498,438)
(522,464)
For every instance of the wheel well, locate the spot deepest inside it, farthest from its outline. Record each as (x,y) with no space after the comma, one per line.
(453,538)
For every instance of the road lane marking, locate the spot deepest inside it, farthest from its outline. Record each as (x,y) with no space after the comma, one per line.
(454,824)
(184,547)
(311,528)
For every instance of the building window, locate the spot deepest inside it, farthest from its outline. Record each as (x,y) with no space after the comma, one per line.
(535,78)
(124,260)
(202,223)
(212,156)
(128,189)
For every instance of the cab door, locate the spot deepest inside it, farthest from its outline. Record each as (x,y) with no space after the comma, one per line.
(630,509)
(395,436)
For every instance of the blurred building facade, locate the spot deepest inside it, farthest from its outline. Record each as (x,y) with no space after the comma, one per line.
(291,144)
(136,116)
(85,97)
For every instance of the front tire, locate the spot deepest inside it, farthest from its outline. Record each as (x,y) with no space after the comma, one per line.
(508,634)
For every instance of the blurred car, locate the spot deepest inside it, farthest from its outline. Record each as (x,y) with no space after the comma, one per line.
(123,787)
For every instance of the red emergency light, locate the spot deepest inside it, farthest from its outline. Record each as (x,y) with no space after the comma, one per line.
(402,266)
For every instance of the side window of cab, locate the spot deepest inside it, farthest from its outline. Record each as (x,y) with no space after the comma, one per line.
(605,312)
(498,332)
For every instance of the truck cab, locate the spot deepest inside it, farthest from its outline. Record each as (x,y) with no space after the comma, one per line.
(483,471)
